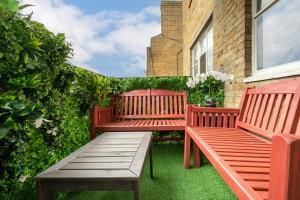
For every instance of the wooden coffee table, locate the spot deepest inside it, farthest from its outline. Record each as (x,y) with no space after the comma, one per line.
(112,161)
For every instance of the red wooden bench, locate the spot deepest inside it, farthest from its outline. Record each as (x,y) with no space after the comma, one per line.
(141,110)
(255,149)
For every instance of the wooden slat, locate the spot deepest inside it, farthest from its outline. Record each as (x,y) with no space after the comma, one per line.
(243,154)
(245,114)
(140,106)
(268,112)
(130,105)
(106,154)
(284,113)
(162,109)
(144,102)
(171,104)
(275,113)
(264,160)
(248,164)
(213,119)
(261,112)
(225,120)
(231,120)
(255,177)
(180,105)
(256,109)
(219,123)
(96,166)
(201,120)
(254,170)
(251,109)
(157,105)
(259,185)
(153,105)
(101,159)
(167,104)
(135,105)
(126,105)
(175,105)
(123,105)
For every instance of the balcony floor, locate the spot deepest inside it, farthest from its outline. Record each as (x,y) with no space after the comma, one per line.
(171,181)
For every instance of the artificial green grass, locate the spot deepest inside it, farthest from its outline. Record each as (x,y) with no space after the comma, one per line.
(171,181)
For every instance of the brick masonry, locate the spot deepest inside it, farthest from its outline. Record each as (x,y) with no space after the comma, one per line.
(232,41)
(231,21)
(164,56)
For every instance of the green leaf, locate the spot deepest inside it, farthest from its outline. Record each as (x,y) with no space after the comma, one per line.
(3,132)
(9,123)
(11,5)
(1,55)
(25,6)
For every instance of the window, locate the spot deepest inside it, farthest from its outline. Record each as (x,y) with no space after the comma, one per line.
(202,52)
(276,38)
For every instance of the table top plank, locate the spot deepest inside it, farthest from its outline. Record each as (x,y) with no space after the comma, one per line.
(138,161)
(75,166)
(101,159)
(105,154)
(115,155)
(89,174)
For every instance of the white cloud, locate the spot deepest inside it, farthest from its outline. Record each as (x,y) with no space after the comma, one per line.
(103,33)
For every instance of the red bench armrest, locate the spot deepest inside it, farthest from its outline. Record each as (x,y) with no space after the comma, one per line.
(99,116)
(285,165)
(211,117)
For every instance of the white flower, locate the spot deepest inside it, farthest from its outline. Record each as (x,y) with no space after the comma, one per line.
(38,122)
(53,131)
(190,83)
(22,178)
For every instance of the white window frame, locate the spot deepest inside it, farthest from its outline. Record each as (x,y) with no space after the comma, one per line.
(196,43)
(279,71)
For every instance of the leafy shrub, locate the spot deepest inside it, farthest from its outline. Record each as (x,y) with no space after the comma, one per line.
(44,102)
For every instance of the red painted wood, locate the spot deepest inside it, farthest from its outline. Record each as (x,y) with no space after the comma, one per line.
(187,150)
(242,158)
(197,161)
(285,165)
(171,105)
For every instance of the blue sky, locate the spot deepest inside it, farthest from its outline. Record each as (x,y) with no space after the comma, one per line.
(109,37)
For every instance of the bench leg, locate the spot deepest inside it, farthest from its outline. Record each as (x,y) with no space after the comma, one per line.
(187,150)
(151,162)
(197,162)
(43,192)
(136,189)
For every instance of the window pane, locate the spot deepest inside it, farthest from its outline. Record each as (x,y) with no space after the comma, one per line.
(262,3)
(277,32)
(203,63)
(210,49)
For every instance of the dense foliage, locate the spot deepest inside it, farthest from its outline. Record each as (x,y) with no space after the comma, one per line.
(196,94)
(44,101)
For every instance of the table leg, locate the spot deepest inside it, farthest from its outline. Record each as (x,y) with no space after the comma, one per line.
(137,192)
(187,150)
(43,192)
(151,162)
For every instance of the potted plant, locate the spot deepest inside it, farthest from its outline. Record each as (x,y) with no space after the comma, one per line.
(209,87)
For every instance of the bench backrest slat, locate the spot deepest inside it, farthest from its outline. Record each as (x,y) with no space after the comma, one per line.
(271,109)
(147,104)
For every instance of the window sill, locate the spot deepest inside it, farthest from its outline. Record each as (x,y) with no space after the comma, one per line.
(291,69)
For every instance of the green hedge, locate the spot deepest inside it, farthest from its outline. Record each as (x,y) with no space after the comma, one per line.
(44,102)
(196,95)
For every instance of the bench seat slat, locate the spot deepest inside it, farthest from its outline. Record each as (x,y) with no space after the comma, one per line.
(132,125)
(232,159)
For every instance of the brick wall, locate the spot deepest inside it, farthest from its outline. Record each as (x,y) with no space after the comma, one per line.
(164,56)
(231,21)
